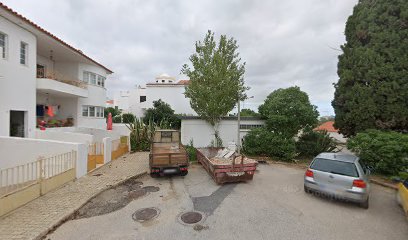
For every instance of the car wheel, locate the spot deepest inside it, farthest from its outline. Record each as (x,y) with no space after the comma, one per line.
(307,190)
(364,204)
(183,173)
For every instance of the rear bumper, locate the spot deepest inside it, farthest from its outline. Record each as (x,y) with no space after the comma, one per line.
(169,170)
(354,194)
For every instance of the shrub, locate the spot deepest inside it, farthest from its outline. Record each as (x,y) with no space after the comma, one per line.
(312,143)
(117,119)
(385,151)
(260,141)
(128,118)
(191,151)
(141,135)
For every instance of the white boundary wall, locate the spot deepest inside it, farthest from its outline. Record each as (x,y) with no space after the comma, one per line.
(16,151)
(202,132)
(64,136)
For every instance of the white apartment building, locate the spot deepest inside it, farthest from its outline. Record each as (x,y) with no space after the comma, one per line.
(42,78)
(164,87)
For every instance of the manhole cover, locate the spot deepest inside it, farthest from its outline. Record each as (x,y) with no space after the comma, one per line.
(145,214)
(151,189)
(191,217)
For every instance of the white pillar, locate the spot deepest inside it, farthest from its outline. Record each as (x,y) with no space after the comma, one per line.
(107,150)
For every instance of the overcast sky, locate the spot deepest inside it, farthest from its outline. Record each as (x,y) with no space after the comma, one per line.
(283,42)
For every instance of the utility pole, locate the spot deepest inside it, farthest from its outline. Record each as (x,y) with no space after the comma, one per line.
(239,123)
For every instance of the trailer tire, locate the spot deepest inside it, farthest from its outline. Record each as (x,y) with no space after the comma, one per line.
(154,175)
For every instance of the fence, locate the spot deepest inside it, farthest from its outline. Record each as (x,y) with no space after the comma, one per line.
(23,183)
(119,147)
(95,155)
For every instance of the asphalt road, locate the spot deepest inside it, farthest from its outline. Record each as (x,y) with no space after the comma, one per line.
(272,206)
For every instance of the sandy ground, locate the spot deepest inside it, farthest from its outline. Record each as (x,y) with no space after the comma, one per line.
(272,206)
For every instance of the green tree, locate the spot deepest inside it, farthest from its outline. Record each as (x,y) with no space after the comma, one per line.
(287,111)
(128,118)
(114,111)
(372,91)
(216,78)
(248,113)
(162,115)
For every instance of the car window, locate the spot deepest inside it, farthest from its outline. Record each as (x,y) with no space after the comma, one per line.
(406,183)
(335,167)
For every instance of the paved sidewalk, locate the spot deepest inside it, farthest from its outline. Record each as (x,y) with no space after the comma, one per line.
(39,216)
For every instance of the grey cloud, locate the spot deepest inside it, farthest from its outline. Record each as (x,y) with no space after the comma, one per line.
(284,43)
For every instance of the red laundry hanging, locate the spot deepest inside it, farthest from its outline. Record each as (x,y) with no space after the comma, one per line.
(50,111)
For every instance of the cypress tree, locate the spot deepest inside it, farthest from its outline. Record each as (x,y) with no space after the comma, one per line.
(372,91)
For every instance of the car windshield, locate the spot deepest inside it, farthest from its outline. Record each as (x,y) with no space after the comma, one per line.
(335,167)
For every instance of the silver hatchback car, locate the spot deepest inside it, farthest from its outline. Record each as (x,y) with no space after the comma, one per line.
(339,175)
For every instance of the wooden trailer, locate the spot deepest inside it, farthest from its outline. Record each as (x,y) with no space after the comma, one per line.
(167,155)
(224,170)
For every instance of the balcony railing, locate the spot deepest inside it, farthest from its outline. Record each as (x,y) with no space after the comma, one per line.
(54,75)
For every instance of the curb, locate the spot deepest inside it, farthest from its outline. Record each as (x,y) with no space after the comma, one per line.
(387,185)
(70,215)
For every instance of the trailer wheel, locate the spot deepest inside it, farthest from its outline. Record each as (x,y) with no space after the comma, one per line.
(154,175)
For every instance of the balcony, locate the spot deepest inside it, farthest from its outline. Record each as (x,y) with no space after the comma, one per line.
(54,83)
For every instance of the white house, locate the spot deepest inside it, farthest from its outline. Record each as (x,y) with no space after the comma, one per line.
(164,87)
(42,78)
(201,133)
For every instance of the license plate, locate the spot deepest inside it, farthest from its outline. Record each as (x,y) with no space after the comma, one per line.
(169,171)
(235,174)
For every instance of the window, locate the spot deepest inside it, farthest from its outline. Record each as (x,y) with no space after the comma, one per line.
(101,81)
(142,98)
(93,78)
(92,111)
(86,77)
(40,71)
(3,42)
(99,111)
(250,126)
(23,53)
(85,111)
(335,167)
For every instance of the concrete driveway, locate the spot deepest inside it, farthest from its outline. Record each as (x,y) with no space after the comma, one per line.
(272,206)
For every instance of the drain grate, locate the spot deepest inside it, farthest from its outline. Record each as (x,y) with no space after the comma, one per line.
(145,214)
(151,189)
(191,217)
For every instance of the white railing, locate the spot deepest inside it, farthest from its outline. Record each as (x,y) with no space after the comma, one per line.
(115,144)
(95,148)
(15,178)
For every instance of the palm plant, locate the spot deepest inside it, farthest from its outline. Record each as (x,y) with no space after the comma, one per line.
(141,134)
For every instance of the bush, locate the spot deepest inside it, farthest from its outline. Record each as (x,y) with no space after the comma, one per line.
(141,135)
(312,143)
(260,141)
(128,118)
(385,152)
(117,119)
(191,151)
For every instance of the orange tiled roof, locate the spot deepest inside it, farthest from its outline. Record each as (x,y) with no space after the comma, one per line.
(183,82)
(109,101)
(51,35)
(328,126)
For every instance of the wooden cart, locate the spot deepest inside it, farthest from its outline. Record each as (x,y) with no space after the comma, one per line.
(167,155)
(240,170)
